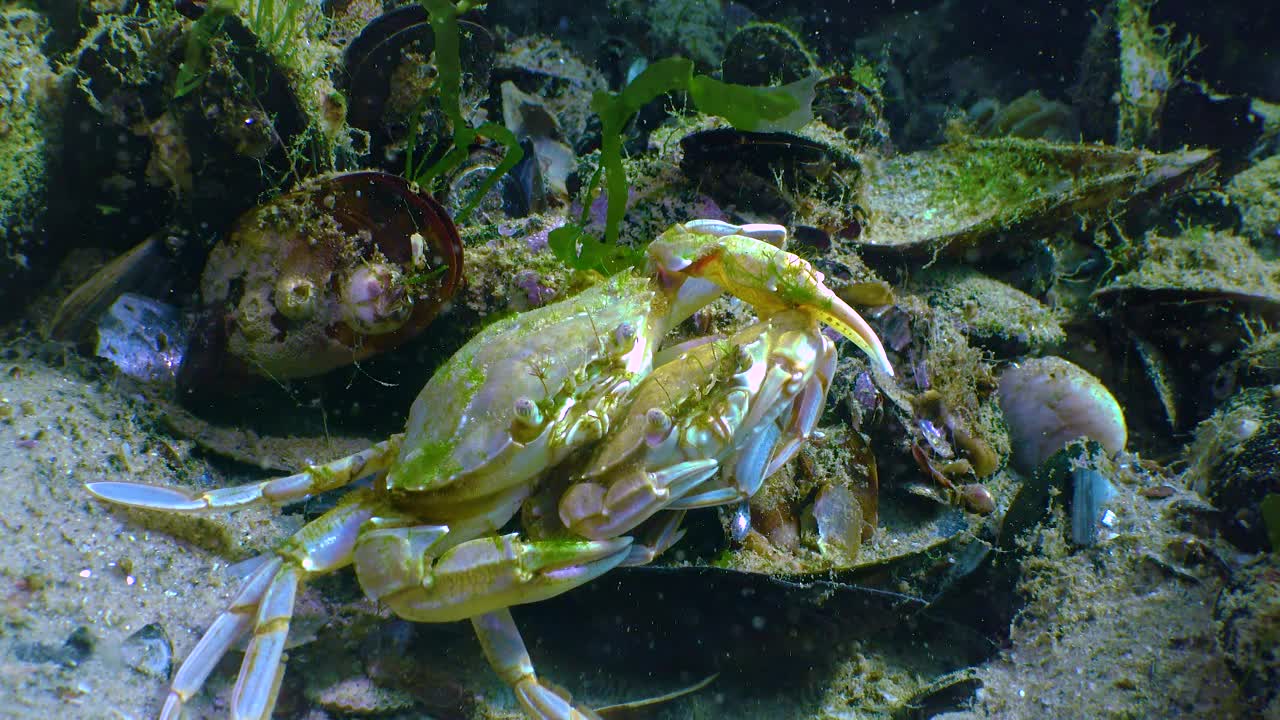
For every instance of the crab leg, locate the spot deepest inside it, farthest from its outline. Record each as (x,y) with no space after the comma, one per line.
(264,606)
(404,568)
(590,510)
(769,446)
(259,681)
(503,646)
(808,408)
(666,531)
(280,491)
(233,623)
(748,474)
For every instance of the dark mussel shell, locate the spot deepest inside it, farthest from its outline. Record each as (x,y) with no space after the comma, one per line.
(372,56)
(750,170)
(1235,463)
(766,54)
(372,59)
(1188,308)
(322,277)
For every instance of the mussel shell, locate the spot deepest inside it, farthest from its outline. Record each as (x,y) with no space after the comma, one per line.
(1235,463)
(1248,615)
(1187,308)
(766,54)
(374,55)
(744,169)
(320,233)
(992,314)
(560,80)
(973,191)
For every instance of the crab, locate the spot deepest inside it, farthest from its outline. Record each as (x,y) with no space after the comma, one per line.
(650,434)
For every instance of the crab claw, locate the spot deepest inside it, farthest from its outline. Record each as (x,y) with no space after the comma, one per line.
(762,274)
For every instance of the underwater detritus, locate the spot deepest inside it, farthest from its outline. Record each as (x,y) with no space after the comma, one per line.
(342,268)
(1248,613)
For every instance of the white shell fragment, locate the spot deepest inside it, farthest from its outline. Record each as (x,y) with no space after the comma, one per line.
(1091,490)
(838,516)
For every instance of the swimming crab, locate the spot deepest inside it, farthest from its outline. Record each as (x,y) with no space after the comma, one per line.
(494,424)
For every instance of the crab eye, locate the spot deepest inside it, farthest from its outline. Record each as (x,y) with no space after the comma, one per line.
(657,426)
(527,412)
(623,338)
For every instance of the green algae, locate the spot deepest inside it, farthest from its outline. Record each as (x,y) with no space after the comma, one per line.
(444,24)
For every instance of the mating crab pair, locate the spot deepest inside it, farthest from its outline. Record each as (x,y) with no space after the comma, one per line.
(577,387)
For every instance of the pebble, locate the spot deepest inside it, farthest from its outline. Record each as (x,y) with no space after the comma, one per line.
(149,651)
(1048,402)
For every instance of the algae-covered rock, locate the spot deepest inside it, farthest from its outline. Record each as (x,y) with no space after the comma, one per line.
(1256,193)
(994,315)
(1235,463)
(27,101)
